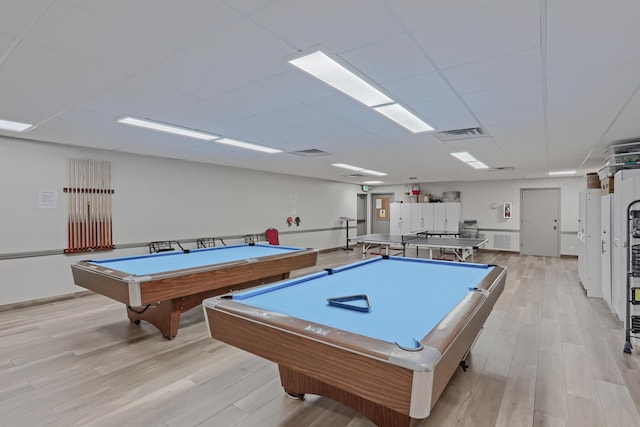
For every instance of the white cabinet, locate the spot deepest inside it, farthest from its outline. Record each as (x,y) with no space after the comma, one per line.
(421,217)
(606,240)
(415,217)
(590,251)
(400,218)
(446,216)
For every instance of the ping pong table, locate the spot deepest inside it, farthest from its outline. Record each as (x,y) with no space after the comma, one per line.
(461,248)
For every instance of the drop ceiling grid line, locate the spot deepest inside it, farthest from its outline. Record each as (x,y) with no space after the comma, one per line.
(43,9)
(437,70)
(600,140)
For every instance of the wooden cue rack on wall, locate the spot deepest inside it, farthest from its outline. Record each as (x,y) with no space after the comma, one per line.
(89,225)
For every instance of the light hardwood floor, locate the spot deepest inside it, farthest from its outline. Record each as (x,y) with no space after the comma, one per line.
(548,356)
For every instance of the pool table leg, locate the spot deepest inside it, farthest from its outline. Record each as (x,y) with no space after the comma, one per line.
(165,315)
(297,385)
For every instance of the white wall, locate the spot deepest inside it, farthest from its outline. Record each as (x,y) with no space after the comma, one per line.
(155,199)
(477,197)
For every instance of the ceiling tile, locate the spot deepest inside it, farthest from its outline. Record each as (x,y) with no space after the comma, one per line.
(578,18)
(418,14)
(445,107)
(64,79)
(341,26)
(169,24)
(423,87)
(506,70)
(512,115)
(608,49)
(17,15)
(5,42)
(101,41)
(139,97)
(395,58)
(244,47)
(501,28)
(505,98)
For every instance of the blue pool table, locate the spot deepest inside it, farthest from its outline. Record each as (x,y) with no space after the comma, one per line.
(390,361)
(159,287)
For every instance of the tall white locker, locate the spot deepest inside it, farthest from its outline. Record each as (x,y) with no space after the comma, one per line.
(446,216)
(400,218)
(606,238)
(590,253)
(421,217)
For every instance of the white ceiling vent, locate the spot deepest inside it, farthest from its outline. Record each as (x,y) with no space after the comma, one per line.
(450,135)
(311,152)
(354,175)
(503,168)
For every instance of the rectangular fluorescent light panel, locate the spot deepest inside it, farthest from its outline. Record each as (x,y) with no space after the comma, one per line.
(556,173)
(162,127)
(403,117)
(346,166)
(324,68)
(14,126)
(478,165)
(370,172)
(359,169)
(464,156)
(470,160)
(248,146)
(372,182)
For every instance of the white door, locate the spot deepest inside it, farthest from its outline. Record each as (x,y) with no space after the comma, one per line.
(540,221)
(361,215)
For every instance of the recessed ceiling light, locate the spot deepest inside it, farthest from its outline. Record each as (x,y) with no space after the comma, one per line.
(403,117)
(376,173)
(346,166)
(562,173)
(464,156)
(242,144)
(372,182)
(470,160)
(327,69)
(163,127)
(14,126)
(478,165)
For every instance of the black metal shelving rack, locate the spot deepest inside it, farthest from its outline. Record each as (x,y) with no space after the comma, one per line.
(632,321)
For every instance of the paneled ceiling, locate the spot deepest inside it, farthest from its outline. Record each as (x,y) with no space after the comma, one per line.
(551,83)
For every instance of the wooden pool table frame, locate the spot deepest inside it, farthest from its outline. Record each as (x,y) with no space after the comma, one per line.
(388,385)
(161,298)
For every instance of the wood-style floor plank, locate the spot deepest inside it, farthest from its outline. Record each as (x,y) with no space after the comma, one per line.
(547,356)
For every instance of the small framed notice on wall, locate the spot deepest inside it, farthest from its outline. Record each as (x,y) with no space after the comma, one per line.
(507,210)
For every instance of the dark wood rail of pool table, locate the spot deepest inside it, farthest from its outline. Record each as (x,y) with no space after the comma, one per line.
(160,298)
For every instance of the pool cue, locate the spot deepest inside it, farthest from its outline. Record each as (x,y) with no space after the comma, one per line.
(68,206)
(102,206)
(94,205)
(74,192)
(99,198)
(110,205)
(83,181)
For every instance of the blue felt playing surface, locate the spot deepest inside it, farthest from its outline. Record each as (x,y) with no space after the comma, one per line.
(408,296)
(171,261)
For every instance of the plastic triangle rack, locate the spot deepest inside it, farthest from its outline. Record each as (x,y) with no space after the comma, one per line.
(358,302)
